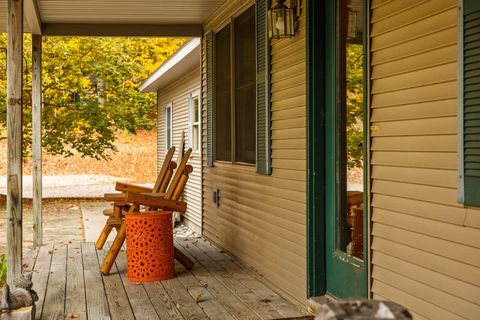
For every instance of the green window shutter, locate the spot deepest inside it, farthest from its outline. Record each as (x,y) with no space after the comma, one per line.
(263,89)
(209,43)
(469,102)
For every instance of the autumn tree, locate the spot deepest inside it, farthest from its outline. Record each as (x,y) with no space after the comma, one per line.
(90,90)
(354,105)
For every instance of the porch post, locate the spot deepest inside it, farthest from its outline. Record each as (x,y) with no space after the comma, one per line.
(37,138)
(14,139)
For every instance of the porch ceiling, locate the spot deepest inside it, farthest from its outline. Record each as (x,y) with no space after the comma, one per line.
(89,17)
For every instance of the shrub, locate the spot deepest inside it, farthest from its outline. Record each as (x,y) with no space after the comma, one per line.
(3,268)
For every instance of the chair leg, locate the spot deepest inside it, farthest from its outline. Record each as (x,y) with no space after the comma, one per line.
(114,250)
(103,236)
(117,213)
(182,258)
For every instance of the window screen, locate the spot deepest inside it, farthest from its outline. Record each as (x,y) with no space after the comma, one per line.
(223,135)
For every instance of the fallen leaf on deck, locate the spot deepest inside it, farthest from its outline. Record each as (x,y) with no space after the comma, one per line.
(198,296)
(70,315)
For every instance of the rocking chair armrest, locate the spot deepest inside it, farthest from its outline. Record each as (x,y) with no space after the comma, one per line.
(156,200)
(128,187)
(114,197)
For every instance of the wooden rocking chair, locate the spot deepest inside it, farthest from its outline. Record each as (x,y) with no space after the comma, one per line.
(120,206)
(153,201)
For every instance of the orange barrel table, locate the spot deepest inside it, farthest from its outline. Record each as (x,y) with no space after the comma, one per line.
(150,246)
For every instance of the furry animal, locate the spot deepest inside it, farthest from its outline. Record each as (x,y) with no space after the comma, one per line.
(22,296)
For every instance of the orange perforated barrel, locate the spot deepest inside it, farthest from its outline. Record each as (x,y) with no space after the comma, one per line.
(150,246)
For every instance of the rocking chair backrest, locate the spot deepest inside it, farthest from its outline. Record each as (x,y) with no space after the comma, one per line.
(163,176)
(180,178)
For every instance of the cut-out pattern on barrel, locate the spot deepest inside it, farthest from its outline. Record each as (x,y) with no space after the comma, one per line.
(150,246)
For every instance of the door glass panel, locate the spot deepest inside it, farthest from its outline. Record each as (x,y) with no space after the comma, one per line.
(350,109)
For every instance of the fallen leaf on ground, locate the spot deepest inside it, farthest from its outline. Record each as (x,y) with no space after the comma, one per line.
(266,300)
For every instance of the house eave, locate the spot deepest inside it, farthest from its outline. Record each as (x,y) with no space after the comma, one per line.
(186,59)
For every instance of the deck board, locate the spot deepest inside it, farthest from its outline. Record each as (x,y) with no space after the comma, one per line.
(54,304)
(96,299)
(75,303)
(139,300)
(249,298)
(40,275)
(117,298)
(161,301)
(201,295)
(246,277)
(69,283)
(234,305)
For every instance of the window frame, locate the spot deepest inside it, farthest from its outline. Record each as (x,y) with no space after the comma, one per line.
(230,23)
(194,95)
(168,141)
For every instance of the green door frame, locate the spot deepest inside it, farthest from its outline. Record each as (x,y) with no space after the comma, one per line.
(316,245)
(319,21)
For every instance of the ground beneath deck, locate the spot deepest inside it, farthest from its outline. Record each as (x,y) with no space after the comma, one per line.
(70,286)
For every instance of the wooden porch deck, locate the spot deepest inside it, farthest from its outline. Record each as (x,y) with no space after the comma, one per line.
(70,286)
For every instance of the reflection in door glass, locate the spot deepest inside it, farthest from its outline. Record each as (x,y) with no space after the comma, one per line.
(350,115)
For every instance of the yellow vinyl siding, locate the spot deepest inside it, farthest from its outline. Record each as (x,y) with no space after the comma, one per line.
(261,219)
(425,245)
(178,93)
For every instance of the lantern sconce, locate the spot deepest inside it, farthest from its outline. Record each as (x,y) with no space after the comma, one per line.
(282,18)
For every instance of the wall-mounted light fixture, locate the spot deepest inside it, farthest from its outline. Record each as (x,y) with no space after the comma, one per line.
(282,18)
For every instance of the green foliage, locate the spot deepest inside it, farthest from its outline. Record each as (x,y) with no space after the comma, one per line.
(90,90)
(3,268)
(354,105)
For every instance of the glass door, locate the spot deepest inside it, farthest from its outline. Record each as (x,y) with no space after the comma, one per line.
(346,114)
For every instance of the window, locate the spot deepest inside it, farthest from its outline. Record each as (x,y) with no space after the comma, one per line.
(223,95)
(235,90)
(168,126)
(194,126)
